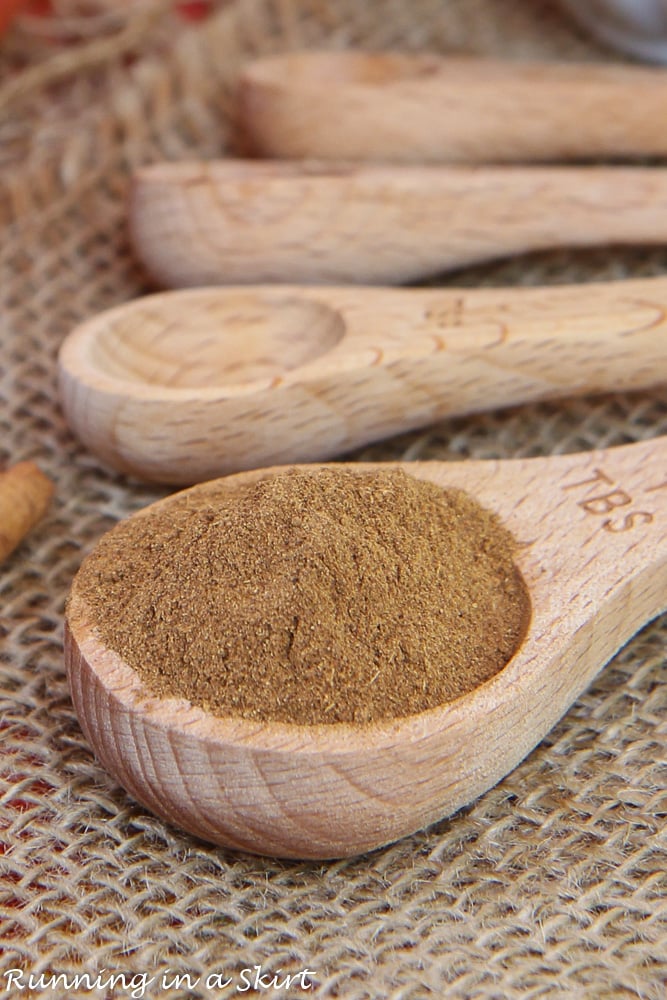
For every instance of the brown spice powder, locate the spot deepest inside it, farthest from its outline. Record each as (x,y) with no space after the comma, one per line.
(316,596)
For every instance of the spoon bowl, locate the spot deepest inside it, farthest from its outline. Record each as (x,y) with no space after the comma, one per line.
(233,341)
(188,385)
(592,533)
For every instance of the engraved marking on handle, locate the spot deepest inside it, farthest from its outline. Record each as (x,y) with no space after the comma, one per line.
(658,320)
(452,314)
(603,496)
(448,315)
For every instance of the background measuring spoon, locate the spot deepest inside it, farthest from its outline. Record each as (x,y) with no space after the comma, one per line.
(327,223)
(187,385)
(421,108)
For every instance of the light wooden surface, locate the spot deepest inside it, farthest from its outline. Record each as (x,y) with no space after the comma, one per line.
(186,385)
(593,534)
(427,108)
(251,221)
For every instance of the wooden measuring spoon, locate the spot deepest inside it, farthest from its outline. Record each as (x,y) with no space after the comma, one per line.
(183,386)
(250,221)
(428,108)
(593,552)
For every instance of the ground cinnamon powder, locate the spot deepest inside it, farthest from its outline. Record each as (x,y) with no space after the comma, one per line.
(317,596)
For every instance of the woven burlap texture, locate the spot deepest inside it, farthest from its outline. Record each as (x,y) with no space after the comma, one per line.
(552,884)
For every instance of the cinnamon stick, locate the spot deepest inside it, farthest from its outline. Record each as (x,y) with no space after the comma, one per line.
(25,495)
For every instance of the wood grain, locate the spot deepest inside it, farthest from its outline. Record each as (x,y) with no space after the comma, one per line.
(246,221)
(593,534)
(186,385)
(424,108)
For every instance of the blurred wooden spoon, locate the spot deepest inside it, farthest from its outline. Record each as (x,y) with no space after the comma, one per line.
(237,221)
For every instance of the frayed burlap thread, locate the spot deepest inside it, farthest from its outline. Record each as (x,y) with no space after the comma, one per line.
(553,883)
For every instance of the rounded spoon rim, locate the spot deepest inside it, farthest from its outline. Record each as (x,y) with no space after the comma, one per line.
(340,738)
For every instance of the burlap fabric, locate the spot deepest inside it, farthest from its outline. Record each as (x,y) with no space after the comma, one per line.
(552,884)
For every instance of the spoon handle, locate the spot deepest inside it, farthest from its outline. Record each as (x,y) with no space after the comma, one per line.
(410,357)
(424,108)
(250,222)
(592,532)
